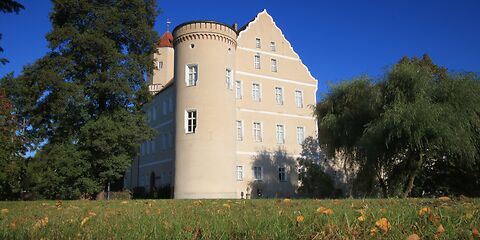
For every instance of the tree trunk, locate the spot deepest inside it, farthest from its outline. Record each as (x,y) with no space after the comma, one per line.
(411,176)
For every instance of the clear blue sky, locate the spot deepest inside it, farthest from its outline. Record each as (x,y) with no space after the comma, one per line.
(337,40)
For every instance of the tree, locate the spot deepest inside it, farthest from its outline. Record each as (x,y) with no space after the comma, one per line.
(8,6)
(342,116)
(11,163)
(418,114)
(88,90)
(314,168)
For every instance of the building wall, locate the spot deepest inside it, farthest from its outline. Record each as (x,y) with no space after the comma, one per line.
(205,160)
(291,75)
(205,163)
(157,156)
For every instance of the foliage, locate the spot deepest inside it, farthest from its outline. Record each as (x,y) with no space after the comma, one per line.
(315,182)
(11,162)
(88,90)
(61,171)
(241,219)
(392,128)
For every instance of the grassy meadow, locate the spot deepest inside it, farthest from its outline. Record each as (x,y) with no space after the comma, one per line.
(242,219)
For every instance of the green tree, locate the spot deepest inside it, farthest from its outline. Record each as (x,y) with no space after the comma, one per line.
(420,113)
(8,6)
(315,182)
(11,163)
(88,90)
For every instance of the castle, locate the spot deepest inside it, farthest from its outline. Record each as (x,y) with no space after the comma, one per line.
(231,109)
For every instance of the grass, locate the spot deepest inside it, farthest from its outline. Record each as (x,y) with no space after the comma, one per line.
(241,219)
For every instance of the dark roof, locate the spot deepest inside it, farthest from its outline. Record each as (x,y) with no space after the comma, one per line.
(245,26)
(203,21)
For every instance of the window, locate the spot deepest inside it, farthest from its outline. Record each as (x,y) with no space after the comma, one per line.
(257,132)
(256,94)
(280,130)
(159,65)
(170,104)
(239,173)
(164,107)
(256,61)
(274,65)
(238,90)
(300,135)
(164,141)
(272,46)
(228,78)
(239,131)
(257,173)
(192,75)
(279,95)
(299,99)
(190,121)
(282,174)
(257,43)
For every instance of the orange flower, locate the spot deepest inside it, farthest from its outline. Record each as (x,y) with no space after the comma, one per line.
(383,225)
(300,218)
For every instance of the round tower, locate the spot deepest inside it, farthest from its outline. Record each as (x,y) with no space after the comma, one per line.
(205,110)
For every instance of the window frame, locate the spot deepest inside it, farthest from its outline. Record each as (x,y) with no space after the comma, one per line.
(229,78)
(284,173)
(303,132)
(240,171)
(257,64)
(238,91)
(187,74)
(260,131)
(240,132)
(273,46)
(282,95)
(260,168)
(259,92)
(297,103)
(284,133)
(258,43)
(194,124)
(273,67)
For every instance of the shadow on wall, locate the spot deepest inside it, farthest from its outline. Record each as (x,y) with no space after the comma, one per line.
(277,176)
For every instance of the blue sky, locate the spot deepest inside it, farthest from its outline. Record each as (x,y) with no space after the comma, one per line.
(337,40)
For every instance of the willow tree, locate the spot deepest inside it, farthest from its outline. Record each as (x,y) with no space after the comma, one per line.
(88,90)
(420,112)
